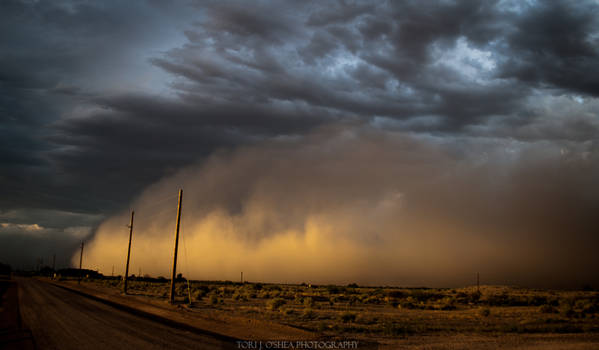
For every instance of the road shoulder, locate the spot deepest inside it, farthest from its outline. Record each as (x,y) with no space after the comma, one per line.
(221,326)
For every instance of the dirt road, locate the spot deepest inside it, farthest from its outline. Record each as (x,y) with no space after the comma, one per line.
(59,319)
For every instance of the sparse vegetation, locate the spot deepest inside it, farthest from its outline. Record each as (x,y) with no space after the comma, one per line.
(309,314)
(348,317)
(275,304)
(213,299)
(309,302)
(390,312)
(547,309)
(484,312)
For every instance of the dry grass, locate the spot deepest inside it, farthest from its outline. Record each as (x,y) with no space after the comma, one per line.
(391,313)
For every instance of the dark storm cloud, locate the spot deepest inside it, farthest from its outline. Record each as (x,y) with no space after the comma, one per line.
(557,43)
(393,50)
(98,100)
(52,56)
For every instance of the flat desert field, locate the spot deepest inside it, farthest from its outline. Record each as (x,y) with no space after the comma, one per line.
(412,318)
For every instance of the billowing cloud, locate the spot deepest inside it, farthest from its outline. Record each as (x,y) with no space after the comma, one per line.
(359,204)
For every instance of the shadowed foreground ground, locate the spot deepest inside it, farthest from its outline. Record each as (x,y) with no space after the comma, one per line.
(59,319)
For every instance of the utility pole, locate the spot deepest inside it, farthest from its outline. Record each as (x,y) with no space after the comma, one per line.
(80,262)
(128,250)
(478,282)
(241,277)
(174,274)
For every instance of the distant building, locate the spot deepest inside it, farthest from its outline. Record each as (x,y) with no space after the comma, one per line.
(72,272)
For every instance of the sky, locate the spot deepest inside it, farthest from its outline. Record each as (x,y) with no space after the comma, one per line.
(379,142)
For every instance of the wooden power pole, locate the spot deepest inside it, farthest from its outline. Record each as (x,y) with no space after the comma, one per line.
(174,274)
(80,263)
(128,250)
